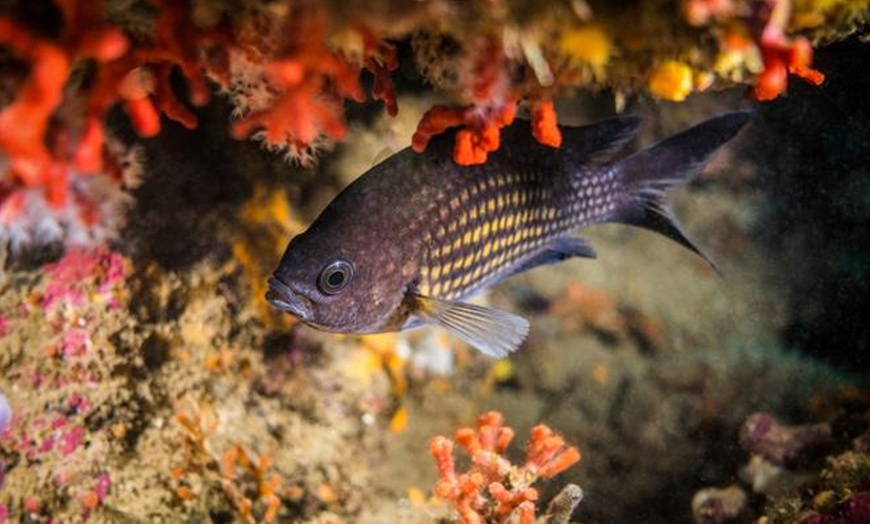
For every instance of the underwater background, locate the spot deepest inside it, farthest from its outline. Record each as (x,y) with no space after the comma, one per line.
(144,378)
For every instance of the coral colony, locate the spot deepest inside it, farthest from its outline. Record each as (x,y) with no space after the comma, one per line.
(493,489)
(289,66)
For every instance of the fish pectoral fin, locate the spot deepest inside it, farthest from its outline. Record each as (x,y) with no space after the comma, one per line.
(494,333)
(558,250)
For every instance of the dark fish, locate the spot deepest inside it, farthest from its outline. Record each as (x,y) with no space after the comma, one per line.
(416,235)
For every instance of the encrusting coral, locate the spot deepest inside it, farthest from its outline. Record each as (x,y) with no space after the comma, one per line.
(289,67)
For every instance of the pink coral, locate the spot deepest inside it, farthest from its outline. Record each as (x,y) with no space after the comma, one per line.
(68,279)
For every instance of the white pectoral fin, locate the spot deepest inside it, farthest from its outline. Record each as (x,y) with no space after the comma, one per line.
(495,333)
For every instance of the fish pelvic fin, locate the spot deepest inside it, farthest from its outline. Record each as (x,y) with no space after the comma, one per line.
(556,251)
(494,333)
(648,175)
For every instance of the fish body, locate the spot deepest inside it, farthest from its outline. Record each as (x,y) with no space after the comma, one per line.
(411,239)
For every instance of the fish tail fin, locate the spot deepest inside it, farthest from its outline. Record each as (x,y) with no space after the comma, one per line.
(648,175)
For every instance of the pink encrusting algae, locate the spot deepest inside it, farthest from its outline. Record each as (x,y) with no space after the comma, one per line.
(66,374)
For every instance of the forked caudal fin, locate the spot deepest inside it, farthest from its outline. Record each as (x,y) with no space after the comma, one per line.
(649,174)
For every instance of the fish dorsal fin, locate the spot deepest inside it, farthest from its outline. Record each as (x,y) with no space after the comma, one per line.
(597,143)
(494,333)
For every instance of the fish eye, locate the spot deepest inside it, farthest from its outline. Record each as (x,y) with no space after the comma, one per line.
(335,277)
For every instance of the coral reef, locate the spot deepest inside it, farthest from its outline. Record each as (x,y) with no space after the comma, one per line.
(786,471)
(149,381)
(288,67)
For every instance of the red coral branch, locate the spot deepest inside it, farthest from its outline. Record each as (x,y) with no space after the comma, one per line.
(494,107)
(780,54)
(311,82)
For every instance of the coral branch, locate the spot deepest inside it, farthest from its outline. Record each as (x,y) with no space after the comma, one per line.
(493,489)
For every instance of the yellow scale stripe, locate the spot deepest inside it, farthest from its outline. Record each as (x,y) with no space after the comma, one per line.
(485,234)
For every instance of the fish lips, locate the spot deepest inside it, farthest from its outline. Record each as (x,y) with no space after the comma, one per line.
(281,297)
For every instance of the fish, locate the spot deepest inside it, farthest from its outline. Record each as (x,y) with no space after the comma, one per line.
(413,238)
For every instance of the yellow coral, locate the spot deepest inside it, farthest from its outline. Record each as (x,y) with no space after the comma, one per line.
(588,44)
(671,80)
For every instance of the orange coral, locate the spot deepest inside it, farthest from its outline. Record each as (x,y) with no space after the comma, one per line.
(493,489)
(265,487)
(494,107)
(544,125)
(780,54)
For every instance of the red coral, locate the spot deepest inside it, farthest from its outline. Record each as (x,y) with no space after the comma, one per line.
(24,122)
(311,82)
(480,136)
(494,107)
(381,60)
(43,189)
(508,487)
(780,54)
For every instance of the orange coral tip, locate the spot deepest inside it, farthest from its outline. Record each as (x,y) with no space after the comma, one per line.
(466,152)
(560,462)
(809,75)
(287,72)
(144,116)
(771,82)
(544,124)
(89,154)
(526,512)
(107,46)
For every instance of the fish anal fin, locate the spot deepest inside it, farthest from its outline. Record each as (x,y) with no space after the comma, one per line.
(558,250)
(494,333)
(655,215)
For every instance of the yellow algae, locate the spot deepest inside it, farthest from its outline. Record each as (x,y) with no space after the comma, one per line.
(363,365)
(671,80)
(268,222)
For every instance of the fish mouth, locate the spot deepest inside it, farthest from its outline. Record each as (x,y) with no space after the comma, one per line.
(281,297)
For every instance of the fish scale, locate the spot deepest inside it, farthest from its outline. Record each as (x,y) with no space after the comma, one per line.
(406,242)
(497,220)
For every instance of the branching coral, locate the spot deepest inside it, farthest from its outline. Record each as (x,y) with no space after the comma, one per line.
(493,489)
(289,67)
(58,180)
